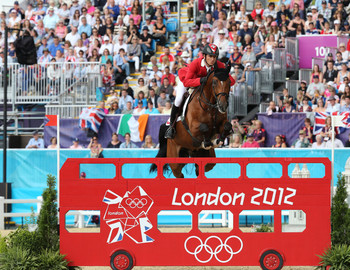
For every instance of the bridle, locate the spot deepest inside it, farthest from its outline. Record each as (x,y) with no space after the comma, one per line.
(203,99)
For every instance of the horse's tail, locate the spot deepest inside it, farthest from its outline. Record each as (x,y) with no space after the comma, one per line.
(162,146)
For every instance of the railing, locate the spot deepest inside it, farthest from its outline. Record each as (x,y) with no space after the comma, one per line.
(71,111)
(3,215)
(293,86)
(238,100)
(343,39)
(42,83)
(16,122)
(280,71)
(292,54)
(318,61)
(266,76)
(304,75)
(250,4)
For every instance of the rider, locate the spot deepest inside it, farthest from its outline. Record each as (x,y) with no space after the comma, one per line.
(193,75)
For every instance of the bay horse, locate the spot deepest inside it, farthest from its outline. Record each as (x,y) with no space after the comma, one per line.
(204,126)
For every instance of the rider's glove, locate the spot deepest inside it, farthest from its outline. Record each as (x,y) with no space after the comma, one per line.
(203,80)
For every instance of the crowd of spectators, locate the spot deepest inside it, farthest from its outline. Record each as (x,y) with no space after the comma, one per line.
(115,34)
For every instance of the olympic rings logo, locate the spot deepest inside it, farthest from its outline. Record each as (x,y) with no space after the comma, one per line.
(213,251)
(132,203)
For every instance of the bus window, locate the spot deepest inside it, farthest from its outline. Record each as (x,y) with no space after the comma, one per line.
(138,171)
(83,221)
(293,220)
(174,221)
(189,171)
(210,221)
(224,171)
(271,170)
(306,170)
(256,221)
(93,171)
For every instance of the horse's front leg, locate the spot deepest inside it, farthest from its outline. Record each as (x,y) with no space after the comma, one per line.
(225,131)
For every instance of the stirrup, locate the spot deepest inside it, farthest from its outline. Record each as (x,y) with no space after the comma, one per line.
(170,133)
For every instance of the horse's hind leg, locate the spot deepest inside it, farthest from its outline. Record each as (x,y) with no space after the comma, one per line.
(173,150)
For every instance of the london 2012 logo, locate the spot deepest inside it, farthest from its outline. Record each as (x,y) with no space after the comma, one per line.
(127,215)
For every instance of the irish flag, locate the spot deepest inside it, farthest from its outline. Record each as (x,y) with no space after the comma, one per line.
(136,128)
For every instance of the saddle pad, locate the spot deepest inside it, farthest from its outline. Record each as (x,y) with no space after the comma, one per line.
(182,116)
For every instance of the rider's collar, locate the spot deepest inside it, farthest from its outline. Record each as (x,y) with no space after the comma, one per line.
(204,64)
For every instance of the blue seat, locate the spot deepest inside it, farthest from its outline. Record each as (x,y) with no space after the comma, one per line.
(171,26)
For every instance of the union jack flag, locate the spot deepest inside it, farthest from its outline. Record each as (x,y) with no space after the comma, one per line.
(91,118)
(320,121)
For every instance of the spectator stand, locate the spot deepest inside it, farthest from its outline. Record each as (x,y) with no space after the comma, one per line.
(266,75)
(292,57)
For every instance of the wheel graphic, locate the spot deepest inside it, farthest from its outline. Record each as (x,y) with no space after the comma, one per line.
(122,260)
(271,260)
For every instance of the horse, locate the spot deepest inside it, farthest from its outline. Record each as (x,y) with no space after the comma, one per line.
(205,119)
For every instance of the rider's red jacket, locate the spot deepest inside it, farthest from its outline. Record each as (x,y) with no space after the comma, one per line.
(190,76)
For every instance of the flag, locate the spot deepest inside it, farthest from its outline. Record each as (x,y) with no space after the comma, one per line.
(52,120)
(91,118)
(136,128)
(320,121)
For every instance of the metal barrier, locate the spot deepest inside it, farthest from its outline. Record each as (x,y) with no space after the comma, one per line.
(253,88)
(280,67)
(318,61)
(250,4)
(65,111)
(3,215)
(343,39)
(292,53)
(16,121)
(304,75)
(293,86)
(263,107)
(44,83)
(238,100)
(265,76)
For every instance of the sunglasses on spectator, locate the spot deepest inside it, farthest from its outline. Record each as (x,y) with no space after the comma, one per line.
(249,48)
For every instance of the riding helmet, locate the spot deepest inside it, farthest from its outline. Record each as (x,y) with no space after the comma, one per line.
(211,49)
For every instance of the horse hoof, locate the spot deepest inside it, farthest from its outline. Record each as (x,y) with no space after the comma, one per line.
(207,145)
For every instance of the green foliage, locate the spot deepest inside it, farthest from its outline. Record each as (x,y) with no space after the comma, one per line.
(22,238)
(3,245)
(52,260)
(17,258)
(338,257)
(263,228)
(32,219)
(47,220)
(340,214)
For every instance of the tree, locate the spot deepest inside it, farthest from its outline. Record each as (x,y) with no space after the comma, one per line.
(340,214)
(47,220)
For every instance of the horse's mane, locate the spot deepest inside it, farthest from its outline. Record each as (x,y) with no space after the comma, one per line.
(222,74)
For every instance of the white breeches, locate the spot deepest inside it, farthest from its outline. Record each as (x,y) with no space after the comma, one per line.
(137,62)
(180,91)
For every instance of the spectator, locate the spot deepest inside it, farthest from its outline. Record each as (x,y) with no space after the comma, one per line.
(76,144)
(124,99)
(167,109)
(151,109)
(148,143)
(73,36)
(139,109)
(250,143)
(144,76)
(302,141)
(308,130)
(85,15)
(342,78)
(315,85)
(154,87)
(95,148)
(128,89)
(330,75)
(248,57)
(54,75)
(287,107)
(346,106)
(319,144)
(245,31)
(162,101)
(269,47)
(113,9)
(121,64)
(272,108)
(258,47)
(114,108)
(236,57)
(235,141)
(168,54)
(140,97)
(127,143)
(35,142)
(114,143)
(323,9)
(146,41)
(169,89)
(56,46)
(153,62)
(339,61)
(50,20)
(222,43)
(305,107)
(159,30)
(279,142)
(156,74)
(53,144)
(337,143)
(61,30)
(45,58)
(106,56)
(259,133)
(325,132)
(332,105)
(134,52)
(107,45)
(347,143)
(258,9)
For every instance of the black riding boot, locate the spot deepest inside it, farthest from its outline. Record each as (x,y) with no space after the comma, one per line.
(170,133)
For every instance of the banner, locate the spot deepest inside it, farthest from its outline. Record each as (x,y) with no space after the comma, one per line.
(314,46)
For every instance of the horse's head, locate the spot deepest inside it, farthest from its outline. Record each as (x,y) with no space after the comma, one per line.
(221,87)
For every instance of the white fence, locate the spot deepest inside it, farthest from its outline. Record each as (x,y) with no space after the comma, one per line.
(3,215)
(65,111)
(45,83)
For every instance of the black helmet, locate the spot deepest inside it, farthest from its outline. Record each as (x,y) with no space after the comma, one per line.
(211,49)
